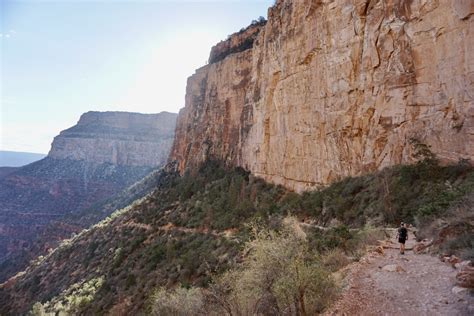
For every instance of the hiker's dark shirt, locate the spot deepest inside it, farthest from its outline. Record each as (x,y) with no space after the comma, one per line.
(402,233)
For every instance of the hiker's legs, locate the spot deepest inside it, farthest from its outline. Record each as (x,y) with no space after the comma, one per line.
(402,248)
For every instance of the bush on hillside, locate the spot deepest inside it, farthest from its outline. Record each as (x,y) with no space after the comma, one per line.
(335,259)
(178,302)
(71,300)
(279,275)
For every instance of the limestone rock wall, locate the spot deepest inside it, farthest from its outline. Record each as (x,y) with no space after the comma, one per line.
(119,138)
(336,88)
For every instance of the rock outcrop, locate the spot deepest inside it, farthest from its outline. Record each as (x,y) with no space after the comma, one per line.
(118,138)
(88,164)
(334,88)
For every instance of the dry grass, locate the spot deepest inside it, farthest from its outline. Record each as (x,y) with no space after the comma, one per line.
(335,259)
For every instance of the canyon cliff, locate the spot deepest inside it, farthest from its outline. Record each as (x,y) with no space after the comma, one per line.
(88,165)
(327,89)
(322,90)
(118,138)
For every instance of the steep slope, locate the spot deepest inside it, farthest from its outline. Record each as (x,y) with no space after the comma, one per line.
(192,228)
(327,89)
(88,164)
(4,171)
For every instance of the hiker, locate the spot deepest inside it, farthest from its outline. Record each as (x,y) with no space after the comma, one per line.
(402,236)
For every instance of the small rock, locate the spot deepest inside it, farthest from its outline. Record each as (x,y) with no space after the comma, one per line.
(379,250)
(453,260)
(462,264)
(459,290)
(420,247)
(393,268)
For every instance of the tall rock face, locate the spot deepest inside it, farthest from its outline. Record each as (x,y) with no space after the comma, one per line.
(89,164)
(329,89)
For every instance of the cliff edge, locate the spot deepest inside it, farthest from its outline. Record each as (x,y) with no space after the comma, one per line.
(329,89)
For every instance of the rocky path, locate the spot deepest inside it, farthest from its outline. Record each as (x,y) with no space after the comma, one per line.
(395,284)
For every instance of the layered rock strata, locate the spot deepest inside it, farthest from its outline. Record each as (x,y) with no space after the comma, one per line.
(334,88)
(118,138)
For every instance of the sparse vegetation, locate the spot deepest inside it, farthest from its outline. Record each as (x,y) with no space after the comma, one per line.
(219,54)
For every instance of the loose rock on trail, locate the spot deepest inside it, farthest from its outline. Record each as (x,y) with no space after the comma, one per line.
(396,284)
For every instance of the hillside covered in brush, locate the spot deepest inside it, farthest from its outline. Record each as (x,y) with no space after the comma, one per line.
(193,228)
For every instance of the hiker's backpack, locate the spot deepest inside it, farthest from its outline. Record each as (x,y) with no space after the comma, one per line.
(402,232)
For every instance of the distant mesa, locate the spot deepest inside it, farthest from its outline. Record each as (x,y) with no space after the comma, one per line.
(119,138)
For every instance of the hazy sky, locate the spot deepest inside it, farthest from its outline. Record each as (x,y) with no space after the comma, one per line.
(60,59)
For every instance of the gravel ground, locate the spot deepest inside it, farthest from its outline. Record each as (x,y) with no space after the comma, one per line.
(395,284)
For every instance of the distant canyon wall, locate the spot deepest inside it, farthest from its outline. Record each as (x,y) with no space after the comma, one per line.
(118,138)
(327,89)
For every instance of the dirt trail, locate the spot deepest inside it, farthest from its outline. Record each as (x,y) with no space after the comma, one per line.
(421,286)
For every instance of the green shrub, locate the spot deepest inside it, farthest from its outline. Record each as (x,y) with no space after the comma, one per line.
(131,281)
(335,237)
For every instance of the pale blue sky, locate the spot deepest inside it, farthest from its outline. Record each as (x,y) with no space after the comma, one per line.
(60,59)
